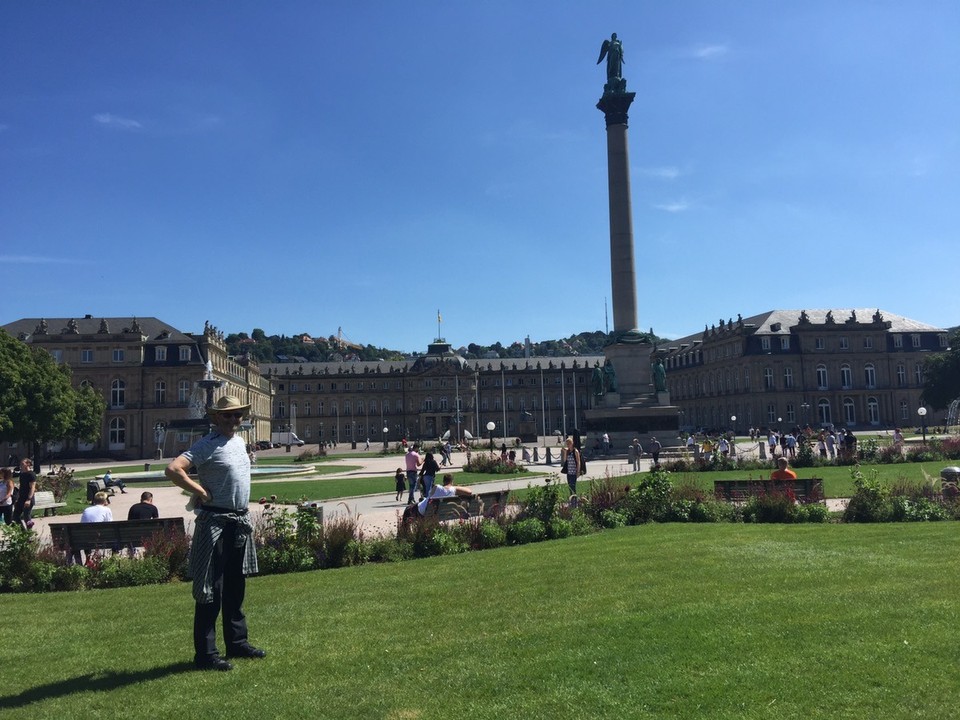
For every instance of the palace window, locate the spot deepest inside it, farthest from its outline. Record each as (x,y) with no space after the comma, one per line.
(160,354)
(160,392)
(822,377)
(870,375)
(86,355)
(118,393)
(846,377)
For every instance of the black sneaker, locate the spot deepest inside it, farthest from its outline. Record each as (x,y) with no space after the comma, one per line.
(214,663)
(247,651)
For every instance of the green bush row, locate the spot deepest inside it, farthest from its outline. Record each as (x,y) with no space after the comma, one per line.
(296,542)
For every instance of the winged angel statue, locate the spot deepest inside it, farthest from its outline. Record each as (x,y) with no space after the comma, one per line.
(613,51)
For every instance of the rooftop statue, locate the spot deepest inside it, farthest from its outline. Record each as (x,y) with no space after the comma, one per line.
(613,50)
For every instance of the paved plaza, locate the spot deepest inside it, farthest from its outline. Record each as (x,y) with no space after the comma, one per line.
(377,513)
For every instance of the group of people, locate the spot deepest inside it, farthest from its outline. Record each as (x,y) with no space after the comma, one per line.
(17,498)
(100,512)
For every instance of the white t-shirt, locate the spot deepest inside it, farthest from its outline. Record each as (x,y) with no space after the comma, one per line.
(96,513)
(438,491)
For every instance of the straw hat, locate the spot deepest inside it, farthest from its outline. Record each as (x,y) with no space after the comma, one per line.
(227,403)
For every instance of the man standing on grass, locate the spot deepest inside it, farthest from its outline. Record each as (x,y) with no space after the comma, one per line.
(412,461)
(223,552)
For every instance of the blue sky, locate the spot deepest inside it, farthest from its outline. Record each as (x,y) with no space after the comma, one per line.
(303,166)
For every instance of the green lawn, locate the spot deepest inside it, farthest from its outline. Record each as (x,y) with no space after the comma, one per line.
(837,481)
(292,491)
(657,621)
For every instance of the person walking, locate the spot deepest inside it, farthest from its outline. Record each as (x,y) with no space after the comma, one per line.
(412,461)
(6,495)
(429,473)
(570,462)
(400,485)
(28,486)
(223,551)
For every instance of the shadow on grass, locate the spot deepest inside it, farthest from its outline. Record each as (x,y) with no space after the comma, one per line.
(91,682)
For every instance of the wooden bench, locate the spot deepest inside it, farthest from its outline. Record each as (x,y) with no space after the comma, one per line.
(44,500)
(115,536)
(805,490)
(96,485)
(482,504)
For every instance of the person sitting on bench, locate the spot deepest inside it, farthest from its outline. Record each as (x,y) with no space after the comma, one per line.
(448,489)
(783,472)
(145,509)
(98,512)
(109,482)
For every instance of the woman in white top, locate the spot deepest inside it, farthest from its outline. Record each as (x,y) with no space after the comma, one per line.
(6,495)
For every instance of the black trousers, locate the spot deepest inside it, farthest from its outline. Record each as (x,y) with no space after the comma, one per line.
(229,585)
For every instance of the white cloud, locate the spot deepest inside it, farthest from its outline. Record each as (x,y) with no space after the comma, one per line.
(664,173)
(117,121)
(709,52)
(674,207)
(40,260)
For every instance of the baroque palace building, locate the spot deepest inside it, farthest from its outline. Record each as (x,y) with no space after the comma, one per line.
(857,368)
(428,396)
(150,375)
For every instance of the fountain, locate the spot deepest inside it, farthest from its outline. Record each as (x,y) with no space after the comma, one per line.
(197,420)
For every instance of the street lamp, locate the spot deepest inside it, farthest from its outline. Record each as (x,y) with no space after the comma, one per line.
(804,407)
(385,431)
(922,412)
(733,433)
(490,426)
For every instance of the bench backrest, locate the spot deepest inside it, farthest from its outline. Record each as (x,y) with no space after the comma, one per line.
(804,489)
(110,535)
(44,498)
(488,504)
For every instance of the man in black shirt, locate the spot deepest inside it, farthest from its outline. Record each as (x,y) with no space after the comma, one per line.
(145,509)
(28,486)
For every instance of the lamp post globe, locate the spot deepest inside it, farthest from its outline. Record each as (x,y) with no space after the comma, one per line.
(922,412)
(490,428)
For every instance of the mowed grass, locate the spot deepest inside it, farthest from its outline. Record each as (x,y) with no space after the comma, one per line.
(291,491)
(657,621)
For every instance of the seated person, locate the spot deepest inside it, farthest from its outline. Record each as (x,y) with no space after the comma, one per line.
(145,509)
(448,489)
(98,512)
(108,481)
(783,472)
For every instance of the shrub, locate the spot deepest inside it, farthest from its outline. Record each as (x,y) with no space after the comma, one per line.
(606,493)
(490,463)
(173,547)
(805,456)
(526,531)
(905,509)
(480,533)
(59,484)
(775,505)
(386,549)
(612,519)
(121,571)
(311,455)
(18,552)
(559,528)
(542,502)
(649,500)
(870,501)
(342,541)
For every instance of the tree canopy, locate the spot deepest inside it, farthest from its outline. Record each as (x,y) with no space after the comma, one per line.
(942,375)
(38,403)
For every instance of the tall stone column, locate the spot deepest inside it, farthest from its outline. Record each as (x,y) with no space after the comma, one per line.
(622,268)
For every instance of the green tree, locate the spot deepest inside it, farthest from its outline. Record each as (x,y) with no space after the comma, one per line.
(38,401)
(88,414)
(942,375)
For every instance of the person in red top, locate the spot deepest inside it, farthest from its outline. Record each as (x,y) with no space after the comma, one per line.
(783,472)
